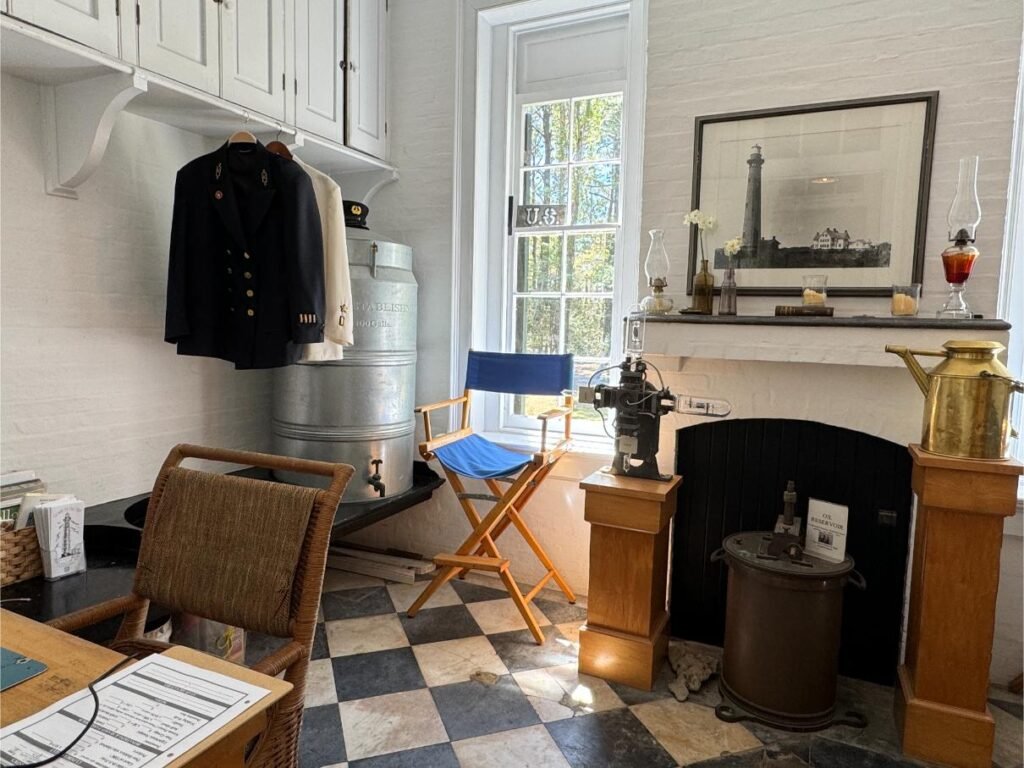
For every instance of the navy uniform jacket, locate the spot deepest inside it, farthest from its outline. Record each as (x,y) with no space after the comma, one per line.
(246,276)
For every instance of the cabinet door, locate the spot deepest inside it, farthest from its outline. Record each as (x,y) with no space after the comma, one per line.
(92,22)
(319,63)
(252,47)
(367,63)
(178,39)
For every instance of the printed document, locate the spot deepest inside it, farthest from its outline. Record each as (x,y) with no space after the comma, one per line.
(151,712)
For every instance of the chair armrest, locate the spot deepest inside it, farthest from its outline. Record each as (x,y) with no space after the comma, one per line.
(277,661)
(554,413)
(86,617)
(441,404)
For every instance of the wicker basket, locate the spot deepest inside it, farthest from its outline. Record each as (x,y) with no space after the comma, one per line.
(19,554)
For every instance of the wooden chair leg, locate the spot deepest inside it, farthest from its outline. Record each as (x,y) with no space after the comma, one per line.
(538,550)
(522,605)
(440,579)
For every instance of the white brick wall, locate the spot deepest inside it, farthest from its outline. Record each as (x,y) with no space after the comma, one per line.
(92,397)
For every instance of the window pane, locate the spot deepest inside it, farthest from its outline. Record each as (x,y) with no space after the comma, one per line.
(546,133)
(590,262)
(539,263)
(537,325)
(597,128)
(588,327)
(582,371)
(547,187)
(595,194)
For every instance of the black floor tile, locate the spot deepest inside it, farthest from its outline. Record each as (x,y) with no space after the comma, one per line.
(826,753)
(474,593)
(432,625)
(519,651)
(435,756)
(320,649)
(561,611)
(353,603)
(257,646)
(373,674)
(631,696)
(614,739)
(1014,708)
(475,709)
(321,742)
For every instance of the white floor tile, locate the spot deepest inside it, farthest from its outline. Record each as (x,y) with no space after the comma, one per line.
(453,661)
(404,595)
(320,684)
(496,616)
(529,747)
(391,723)
(366,634)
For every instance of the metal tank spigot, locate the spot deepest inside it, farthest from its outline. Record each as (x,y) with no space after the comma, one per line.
(375,479)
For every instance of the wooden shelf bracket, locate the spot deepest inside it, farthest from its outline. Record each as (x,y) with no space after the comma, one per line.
(78,119)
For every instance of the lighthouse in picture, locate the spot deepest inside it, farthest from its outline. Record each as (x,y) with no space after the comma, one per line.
(752,209)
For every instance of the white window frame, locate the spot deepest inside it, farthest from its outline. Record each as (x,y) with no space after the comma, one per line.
(483,156)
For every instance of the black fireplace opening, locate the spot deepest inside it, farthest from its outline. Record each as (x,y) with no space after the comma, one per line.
(734,473)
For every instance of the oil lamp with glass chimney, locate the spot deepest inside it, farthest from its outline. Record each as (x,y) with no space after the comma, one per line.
(656,268)
(958,259)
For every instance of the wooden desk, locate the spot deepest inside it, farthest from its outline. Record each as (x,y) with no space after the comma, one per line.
(626,635)
(73,663)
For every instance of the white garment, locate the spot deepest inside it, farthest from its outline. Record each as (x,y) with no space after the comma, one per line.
(337,283)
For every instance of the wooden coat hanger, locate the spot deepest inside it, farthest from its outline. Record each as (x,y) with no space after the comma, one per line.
(278,147)
(243,136)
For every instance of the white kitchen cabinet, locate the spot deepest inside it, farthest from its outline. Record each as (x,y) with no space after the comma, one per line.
(365,119)
(252,54)
(320,67)
(91,22)
(180,40)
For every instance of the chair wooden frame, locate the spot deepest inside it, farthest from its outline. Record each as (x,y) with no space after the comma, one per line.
(479,550)
(277,746)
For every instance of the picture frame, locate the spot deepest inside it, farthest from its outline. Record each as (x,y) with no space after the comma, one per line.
(835,188)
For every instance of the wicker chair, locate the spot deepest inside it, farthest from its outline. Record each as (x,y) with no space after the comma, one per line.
(245,552)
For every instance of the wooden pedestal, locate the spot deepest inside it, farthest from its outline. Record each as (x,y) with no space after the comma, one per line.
(626,636)
(941,709)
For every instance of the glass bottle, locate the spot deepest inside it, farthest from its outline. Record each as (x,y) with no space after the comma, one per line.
(958,259)
(727,296)
(656,269)
(703,289)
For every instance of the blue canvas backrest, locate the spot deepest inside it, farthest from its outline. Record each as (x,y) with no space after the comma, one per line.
(519,374)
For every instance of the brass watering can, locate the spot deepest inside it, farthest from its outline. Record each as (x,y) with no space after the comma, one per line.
(967,399)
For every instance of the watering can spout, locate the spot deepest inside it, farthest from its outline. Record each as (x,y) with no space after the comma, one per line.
(919,373)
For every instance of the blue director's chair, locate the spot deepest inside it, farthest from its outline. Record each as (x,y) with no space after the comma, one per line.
(464,454)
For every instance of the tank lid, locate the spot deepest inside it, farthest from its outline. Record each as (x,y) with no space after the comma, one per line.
(764,550)
(358,233)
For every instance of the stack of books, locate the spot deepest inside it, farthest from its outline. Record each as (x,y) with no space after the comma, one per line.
(13,487)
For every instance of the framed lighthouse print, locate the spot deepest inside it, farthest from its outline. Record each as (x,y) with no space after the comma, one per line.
(837,189)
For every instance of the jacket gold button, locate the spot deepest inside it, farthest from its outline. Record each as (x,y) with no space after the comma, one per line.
(218,195)
(229,270)
(250,312)
(246,255)
(250,293)
(248,275)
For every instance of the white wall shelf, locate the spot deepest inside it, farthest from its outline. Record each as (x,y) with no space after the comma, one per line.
(829,341)
(84,91)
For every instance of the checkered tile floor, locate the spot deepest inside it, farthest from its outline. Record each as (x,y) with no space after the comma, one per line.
(463,685)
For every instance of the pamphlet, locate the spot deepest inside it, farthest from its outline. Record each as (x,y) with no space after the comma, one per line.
(60,528)
(826,530)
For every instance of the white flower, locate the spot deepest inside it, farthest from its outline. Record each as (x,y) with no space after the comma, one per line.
(732,247)
(703,221)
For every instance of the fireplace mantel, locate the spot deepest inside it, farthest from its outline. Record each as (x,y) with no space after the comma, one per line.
(822,340)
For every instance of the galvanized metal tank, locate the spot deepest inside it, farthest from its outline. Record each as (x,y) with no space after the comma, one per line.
(359,410)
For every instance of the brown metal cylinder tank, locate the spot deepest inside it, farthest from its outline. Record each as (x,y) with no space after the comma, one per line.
(782,626)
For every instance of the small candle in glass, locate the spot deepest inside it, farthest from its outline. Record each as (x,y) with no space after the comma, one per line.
(815,290)
(905,300)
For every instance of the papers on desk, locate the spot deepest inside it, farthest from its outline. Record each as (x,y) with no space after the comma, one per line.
(151,713)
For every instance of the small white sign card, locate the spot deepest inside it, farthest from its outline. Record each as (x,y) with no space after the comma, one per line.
(826,530)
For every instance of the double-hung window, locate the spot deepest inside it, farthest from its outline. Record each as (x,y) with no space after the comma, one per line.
(566,222)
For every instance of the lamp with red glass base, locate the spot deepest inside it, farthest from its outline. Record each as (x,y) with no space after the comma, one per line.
(958,259)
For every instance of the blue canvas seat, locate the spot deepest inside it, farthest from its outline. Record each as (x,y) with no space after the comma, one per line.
(477,457)
(463,454)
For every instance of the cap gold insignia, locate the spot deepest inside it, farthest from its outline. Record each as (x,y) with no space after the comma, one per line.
(357,209)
